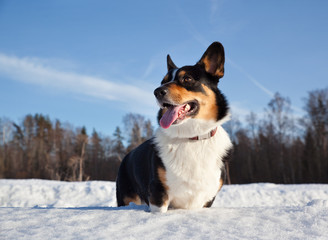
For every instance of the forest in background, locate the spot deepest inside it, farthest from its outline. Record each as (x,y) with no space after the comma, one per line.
(275,147)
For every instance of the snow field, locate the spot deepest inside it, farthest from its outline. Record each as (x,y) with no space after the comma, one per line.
(39,209)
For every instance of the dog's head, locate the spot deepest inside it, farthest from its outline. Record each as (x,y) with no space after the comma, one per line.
(190,94)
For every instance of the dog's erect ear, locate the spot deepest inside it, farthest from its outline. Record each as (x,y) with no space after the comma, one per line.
(170,63)
(213,60)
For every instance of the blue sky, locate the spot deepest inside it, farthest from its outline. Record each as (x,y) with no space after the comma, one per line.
(91,62)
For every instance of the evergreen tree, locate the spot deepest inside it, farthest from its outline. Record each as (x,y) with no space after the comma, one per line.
(118,148)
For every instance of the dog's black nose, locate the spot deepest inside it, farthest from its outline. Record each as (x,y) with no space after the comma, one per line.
(160,92)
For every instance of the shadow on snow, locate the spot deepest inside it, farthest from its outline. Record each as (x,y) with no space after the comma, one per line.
(132,206)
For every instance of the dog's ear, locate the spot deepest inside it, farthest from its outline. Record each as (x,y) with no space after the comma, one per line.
(170,63)
(213,60)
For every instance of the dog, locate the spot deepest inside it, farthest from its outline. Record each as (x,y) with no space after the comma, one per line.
(182,166)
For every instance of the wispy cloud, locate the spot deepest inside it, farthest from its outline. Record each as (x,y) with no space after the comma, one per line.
(297,111)
(190,27)
(215,9)
(251,78)
(33,71)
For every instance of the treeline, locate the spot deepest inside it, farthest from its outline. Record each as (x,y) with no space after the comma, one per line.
(38,147)
(281,148)
(275,147)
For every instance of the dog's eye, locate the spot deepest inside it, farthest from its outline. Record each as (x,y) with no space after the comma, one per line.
(187,79)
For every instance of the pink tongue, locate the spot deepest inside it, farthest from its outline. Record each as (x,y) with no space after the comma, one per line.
(170,116)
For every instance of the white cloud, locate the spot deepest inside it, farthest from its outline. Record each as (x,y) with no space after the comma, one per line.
(34,71)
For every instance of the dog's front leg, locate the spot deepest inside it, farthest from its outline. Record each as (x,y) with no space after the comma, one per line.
(158,200)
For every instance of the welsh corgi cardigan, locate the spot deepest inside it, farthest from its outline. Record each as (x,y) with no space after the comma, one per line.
(182,166)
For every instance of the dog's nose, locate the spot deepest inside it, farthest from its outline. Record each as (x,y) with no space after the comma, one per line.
(160,92)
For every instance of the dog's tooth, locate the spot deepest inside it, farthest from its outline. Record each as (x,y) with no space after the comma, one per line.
(187,107)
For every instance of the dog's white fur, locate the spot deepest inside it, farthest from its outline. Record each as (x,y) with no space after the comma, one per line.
(193,168)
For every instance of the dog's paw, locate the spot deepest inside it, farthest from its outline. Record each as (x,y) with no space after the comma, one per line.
(156,209)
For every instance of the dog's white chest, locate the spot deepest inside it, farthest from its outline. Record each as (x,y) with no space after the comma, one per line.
(191,184)
(193,168)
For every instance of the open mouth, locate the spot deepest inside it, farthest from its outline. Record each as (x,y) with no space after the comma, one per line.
(176,113)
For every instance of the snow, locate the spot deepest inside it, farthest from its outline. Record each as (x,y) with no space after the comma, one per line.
(39,209)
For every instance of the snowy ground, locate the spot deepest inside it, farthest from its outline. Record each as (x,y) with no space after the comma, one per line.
(38,209)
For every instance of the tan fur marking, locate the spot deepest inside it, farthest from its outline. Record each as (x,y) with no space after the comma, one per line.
(181,73)
(209,65)
(208,108)
(135,200)
(221,184)
(162,177)
(176,93)
(219,72)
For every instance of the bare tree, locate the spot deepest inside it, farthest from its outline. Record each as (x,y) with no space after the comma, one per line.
(279,113)
(82,140)
(6,134)
(251,119)
(316,122)
(233,126)
(282,123)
